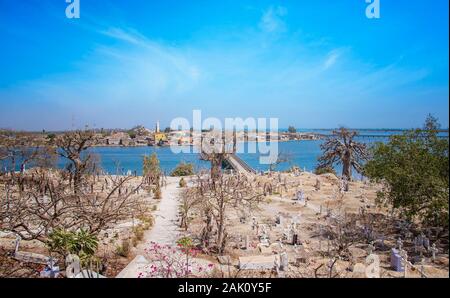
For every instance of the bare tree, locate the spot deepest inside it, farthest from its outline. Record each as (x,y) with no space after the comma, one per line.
(19,150)
(217,197)
(48,202)
(189,200)
(44,199)
(341,232)
(215,148)
(73,147)
(341,148)
(216,160)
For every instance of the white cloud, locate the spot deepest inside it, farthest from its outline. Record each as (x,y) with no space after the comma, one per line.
(272,20)
(138,79)
(331,60)
(167,61)
(333,57)
(127,35)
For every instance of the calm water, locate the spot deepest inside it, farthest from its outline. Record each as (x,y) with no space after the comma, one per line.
(301,153)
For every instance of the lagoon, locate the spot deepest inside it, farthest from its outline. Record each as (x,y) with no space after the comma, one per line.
(303,154)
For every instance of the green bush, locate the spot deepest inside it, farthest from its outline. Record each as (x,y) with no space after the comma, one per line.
(415,166)
(81,243)
(147,220)
(183,169)
(139,232)
(182,183)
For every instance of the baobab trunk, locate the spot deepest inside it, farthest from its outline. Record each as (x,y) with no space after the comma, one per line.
(216,168)
(346,171)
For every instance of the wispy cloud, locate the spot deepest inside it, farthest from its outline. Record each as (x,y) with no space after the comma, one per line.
(127,35)
(151,70)
(331,59)
(272,19)
(138,79)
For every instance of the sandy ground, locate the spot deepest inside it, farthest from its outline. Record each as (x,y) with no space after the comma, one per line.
(309,218)
(165,229)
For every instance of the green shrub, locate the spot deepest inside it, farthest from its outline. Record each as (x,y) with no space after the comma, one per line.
(81,243)
(183,169)
(147,221)
(182,183)
(138,232)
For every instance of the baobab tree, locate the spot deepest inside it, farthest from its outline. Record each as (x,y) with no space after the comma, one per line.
(341,148)
(215,148)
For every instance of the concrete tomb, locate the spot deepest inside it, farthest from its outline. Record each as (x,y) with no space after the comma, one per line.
(257,262)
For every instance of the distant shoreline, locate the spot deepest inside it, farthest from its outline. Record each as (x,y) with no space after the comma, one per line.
(191,145)
(283,130)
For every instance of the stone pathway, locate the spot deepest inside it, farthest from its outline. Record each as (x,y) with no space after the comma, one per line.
(165,229)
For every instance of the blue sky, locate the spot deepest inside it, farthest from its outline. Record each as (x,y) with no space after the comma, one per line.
(312,64)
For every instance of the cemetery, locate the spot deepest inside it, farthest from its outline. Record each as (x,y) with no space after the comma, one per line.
(81,222)
(303,225)
(298,230)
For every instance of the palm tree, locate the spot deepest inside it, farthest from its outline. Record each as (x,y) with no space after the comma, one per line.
(340,148)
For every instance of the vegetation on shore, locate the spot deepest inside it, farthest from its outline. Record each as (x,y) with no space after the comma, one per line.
(183,169)
(414,167)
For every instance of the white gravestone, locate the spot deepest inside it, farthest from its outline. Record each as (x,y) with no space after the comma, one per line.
(396,260)
(284,261)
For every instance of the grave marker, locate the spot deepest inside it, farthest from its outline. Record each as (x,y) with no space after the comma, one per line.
(434,250)
(426,243)
(399,244)
(371,248)
(396,260)
(257,262)
(404,256)
(284,261)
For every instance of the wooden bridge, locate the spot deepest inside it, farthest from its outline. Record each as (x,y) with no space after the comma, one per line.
(234,162)
(239,165)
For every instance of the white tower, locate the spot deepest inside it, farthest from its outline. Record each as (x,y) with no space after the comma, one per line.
(157,127)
